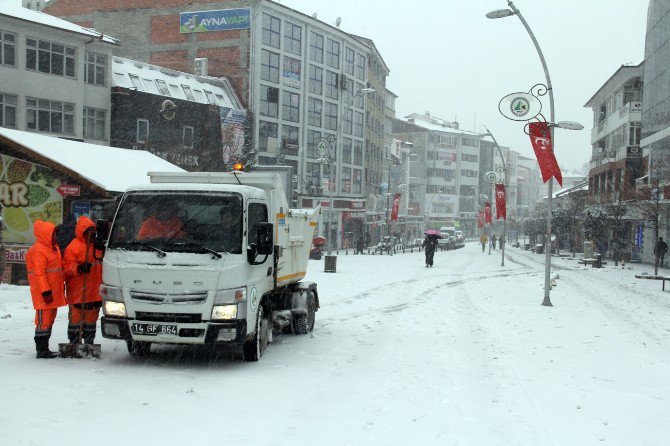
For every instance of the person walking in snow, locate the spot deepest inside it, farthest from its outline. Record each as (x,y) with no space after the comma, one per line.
(483,239)
(430,244)
(47,287)
(83,276)
(659,250)
(493,241)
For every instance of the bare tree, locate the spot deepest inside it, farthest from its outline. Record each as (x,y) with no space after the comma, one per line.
(650,209)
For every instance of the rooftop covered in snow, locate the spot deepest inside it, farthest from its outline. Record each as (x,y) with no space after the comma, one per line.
(108,168)
(16,11)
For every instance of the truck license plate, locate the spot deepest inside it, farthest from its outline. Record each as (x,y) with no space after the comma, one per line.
(153,329)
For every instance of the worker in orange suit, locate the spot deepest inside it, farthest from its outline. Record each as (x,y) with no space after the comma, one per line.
(45,276)
(161,225)
(82,264)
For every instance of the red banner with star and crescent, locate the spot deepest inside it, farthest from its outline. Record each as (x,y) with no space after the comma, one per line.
(480,219)
(487,212)
(501,202)
(540,138)
(396,207)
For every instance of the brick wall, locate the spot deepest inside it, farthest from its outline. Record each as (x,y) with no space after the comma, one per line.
(175,60)
(165,29)
(61,8)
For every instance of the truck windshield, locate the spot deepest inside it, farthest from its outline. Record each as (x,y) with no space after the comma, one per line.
(179,222)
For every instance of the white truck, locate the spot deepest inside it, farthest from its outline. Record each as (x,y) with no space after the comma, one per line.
(208,258)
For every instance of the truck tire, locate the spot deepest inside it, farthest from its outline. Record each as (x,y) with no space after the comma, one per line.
(302,324)
(254,349)
(138,349)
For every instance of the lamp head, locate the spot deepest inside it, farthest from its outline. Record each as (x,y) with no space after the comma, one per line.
(499,13)
(569,125)
(367,90)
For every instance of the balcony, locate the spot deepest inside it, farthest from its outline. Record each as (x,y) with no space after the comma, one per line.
(630,112)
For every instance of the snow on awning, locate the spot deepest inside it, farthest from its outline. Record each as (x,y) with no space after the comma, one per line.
(109,168)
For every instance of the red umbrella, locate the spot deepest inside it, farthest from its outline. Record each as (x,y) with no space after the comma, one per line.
(434,233)
(319,240)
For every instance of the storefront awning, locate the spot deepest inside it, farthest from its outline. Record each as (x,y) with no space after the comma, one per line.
(109,168)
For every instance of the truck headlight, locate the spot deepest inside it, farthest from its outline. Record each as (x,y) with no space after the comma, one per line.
(224,312)
(112,293)
(234,295)
(115,309)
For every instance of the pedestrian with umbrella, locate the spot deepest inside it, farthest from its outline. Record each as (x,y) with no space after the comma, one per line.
(430,245)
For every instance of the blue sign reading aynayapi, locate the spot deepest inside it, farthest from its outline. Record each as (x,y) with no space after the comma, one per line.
(223,19)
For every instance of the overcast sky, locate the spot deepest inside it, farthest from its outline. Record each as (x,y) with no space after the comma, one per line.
(446,57)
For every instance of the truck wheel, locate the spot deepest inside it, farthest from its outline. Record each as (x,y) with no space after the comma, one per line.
(304,323)
(138,349)
(253,350)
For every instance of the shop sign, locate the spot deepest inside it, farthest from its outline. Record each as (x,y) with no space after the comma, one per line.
(6,274)
(217,20)
(16,254)
(69,190)
(81,208)
(28,192)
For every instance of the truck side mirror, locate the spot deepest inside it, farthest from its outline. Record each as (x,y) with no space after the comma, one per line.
(101,233)
(265,239)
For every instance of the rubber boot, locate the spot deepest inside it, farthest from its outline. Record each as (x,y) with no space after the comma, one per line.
(42,347)
(89,333)
(73,333)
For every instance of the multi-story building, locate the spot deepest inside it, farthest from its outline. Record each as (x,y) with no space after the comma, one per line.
(186,119)
(451,160)
(616,158)
(55,76)
(301,78)
(529,185)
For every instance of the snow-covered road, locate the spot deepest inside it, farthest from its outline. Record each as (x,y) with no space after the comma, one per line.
(460,354)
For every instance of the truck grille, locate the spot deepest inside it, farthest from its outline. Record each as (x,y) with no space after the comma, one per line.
(186,318)
(163,298)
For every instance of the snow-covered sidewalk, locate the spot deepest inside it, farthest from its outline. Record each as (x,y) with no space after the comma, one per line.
(460,354)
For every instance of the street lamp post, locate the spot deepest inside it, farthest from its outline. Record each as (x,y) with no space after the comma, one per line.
(500,13)
(505,179)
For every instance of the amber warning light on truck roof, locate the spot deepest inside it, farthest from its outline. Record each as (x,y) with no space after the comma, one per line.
(238,167)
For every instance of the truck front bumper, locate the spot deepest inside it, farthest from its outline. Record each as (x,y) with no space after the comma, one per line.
(223,333)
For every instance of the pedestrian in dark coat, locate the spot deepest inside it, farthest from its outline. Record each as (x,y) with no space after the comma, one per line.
(65,232)
(360,245)
(659,250)
(430,244)
(493,241)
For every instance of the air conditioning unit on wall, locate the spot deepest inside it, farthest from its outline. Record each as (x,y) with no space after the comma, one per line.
(201,66)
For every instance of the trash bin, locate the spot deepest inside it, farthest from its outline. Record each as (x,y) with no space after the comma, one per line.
(330,264)
(599,261)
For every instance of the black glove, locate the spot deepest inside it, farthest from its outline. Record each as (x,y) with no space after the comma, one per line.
(84,268)
(48,297)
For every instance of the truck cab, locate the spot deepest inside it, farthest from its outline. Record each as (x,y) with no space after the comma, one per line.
(211,259)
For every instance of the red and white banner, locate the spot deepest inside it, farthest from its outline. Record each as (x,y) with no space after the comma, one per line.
(487,212)
(480,219)
(540,138)
(396,207)
(501,202)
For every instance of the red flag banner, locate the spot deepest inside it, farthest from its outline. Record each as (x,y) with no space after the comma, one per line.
(501,202)
(396,206)
(540,138)
(487,212)
(480,219)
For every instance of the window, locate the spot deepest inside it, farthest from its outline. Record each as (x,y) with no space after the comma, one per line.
(199,96)
(357,184)
(635,133)
(313,177)
(267,136)
(51,58)
(347,149)
(269,101)
(7,49)
(174,91)
(137,83)
(315,80)
(313,140)
(162,87)
(292,38)
(360,66)
(7,110)
(314,112)
(95,123)
(330,119)
(470,158)
(150,85)
(332,87)
(349,57)
(470,142)
(290,107)
(187,137)
(142,131)
(358,124)
(316,47)
(220,99)
(348,121)
(358,99)
(468,173)
(96,68)
(345,179)
(257,214)
(358,153)
(49,116)
(333,54)
(269,66)
(188,92)
(290,140)
(271,29)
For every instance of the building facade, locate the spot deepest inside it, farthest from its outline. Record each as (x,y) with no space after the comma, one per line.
(55,76)
(301,78)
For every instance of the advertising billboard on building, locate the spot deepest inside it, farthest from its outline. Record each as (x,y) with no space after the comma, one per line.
(28,192)
(291,73)
(232,132)
(217,20)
